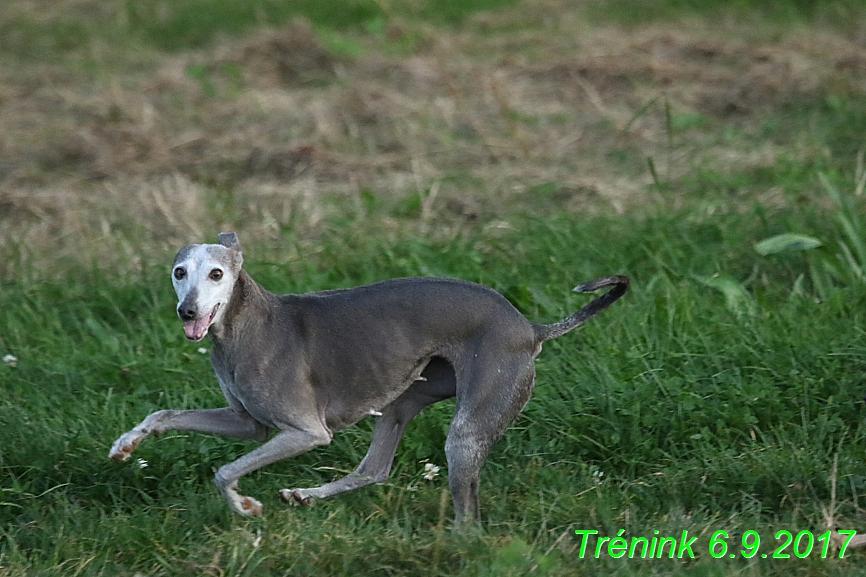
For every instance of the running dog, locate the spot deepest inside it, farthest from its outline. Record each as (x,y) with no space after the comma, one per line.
(308,365)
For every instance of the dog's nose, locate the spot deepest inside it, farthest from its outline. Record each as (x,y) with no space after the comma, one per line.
(186,312)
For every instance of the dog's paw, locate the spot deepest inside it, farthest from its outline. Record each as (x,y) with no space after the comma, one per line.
(247,506)
(123,447)
(296,497)
(243,505)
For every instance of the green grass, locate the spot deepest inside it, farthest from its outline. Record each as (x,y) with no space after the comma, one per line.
(700,414)
(836,13)
(187,24)
(194,23)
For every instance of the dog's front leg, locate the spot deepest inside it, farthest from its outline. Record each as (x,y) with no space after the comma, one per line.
(227,421)
(285,444)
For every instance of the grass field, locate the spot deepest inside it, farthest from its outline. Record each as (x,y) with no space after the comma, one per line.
(525,145)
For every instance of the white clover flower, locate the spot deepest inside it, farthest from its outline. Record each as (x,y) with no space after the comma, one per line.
(10,360)
(430,471)
(202,351)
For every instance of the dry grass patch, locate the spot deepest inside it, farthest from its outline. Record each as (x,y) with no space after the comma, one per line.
(287,122)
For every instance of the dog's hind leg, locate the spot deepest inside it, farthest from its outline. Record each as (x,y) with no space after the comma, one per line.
(376,465)
(226,421)
(486,403)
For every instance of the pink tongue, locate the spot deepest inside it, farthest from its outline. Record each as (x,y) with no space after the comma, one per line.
(195,330)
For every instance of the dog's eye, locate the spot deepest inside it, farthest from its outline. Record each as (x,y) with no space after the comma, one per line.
(179,273)
(215,274)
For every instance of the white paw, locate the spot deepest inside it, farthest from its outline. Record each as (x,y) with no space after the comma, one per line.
(246,506)
(296,497)
(125,445)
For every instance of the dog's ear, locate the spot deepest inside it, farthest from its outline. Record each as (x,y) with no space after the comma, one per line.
(230,240)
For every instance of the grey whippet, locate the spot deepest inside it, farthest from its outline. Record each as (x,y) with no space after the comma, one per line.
(311,364)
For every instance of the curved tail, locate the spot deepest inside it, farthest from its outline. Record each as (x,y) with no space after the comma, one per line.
(618,282)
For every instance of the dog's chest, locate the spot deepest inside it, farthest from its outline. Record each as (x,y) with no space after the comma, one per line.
(240,386)
(266,385)
(226,378)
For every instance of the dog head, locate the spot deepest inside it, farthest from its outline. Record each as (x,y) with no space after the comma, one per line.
(204,276)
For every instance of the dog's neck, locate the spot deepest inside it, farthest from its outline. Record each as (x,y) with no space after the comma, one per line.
(249,304)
